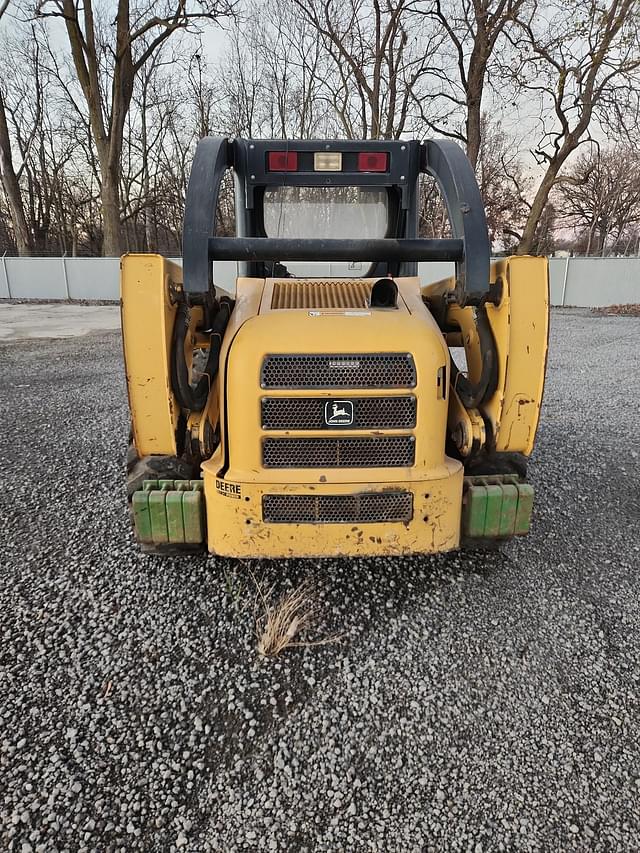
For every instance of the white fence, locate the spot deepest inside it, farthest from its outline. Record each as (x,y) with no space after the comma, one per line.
(584,282)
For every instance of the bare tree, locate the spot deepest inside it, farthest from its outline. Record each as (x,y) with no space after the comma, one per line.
(381,64)
(240,89)
(47,141)
(35,131)
(433,219)
(201,94)
(575,59)
(11,177)
(601,198)
(11,186)
(474,30)
(503,184)
(295,72)
(106,67)
(272,80)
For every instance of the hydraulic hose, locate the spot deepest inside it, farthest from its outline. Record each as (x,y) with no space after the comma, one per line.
(193,397)
(473,394)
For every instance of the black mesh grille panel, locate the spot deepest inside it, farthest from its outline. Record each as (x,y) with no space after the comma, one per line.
(375,370)
(327,509)
(311,413)
(391,451)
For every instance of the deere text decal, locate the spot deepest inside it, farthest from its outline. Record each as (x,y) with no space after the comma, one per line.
(229,490)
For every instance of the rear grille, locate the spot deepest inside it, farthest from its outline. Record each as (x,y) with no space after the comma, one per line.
(309,413)
(327,509)
(341,370)
(393,451)
(321,294)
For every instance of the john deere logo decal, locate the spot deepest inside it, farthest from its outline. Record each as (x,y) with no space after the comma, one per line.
(338,413)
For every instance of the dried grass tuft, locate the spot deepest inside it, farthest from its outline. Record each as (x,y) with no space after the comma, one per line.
(629,310)
(280,624)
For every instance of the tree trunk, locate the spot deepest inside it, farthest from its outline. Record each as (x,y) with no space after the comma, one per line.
(526,245)
(11,186)
(475,86)
(147,212)
(110,198)
(473,132)
(149,239)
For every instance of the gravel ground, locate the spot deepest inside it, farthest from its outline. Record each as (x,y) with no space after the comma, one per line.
(33,319)
(476,703)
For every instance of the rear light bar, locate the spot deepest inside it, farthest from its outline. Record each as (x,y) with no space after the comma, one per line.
(328,161)
(282,161)
(373,161)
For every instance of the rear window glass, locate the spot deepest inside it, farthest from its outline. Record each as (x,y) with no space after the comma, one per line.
(326,212)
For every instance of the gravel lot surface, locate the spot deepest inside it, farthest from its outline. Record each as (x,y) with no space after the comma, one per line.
(477,702)
(34,319)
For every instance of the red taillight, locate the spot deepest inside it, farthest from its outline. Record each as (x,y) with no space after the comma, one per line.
(282,161)
(373,161)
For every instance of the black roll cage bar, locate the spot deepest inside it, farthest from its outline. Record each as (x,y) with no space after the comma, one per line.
(443,159)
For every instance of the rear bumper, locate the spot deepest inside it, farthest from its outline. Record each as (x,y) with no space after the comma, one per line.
(422,515)
(236,528)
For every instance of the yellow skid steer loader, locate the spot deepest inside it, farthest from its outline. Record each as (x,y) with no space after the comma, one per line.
(309,414)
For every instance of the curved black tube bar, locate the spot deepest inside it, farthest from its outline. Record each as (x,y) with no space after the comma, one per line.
(293,249)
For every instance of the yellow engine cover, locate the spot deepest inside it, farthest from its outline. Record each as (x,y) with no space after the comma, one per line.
(307,319)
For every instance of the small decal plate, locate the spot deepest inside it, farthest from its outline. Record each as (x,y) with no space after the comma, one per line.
(352,313)
(228,490)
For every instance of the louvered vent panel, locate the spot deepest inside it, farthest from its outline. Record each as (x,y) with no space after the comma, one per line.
(309,413)
(332,509)
(339,370)
(390,451)
(314,294)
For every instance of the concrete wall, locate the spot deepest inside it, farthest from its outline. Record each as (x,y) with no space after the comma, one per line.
(60,278)
(594,282)
(586,282)
(76,278)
